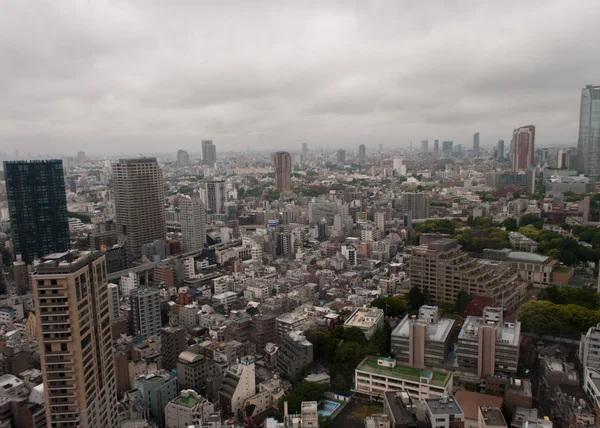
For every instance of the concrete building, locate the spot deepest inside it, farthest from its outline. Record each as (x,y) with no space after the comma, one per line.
(589,348)
(193,223)
(263,330)
(145,311)
(294,353)
(444,269)
(188,409)
(183,158)
(157,390)
(487,345)
(139,195)
(374,376)
(129,282)
(366,319)
(114,308)
(282,162)
(362,154)
(476,143)
(534,268)
(194,369)
(69,290)
(238,385)
(415,204)
(424,146)
(423,341)
(444,412)
(214,196)
(341,157)
(491,417)
(287,323)
(402,411)
(588,144)
(172,343)
(523,147)
(520,242)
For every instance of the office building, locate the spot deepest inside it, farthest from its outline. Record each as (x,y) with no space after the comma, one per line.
(415,204)
(157,389)
(589,348)
(375,376)
(588,144)
(476,143)
(362,153)
(193,223)
(189,409)
(145,311)
(214,196)
(487,345)
(444,269)
(423,341)
(37,206)
(172,344)
(341,157)
(447,147)
(238,385)
(424,146)
(194,369)
(398,166)
(523,147)
(74,332)
(444,412)
(287,323)
(366,319)
(81,157)
(304,152)
(263,331)
(294,353)
(113,302)
(436,146)
(183,158)
(209,153)
(139,200)
(282,162)
(500,149)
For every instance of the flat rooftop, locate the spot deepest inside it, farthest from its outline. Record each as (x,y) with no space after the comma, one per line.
(403,372)
(492,416)
(443,406)
(359,317)
(438,331)
(509,334)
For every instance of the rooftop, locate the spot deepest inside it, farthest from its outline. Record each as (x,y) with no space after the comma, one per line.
(437,332)
(443,406)
(522,256)
(362,317)
(369,365)
(492,416)
(189,401)
(470,401)
(509,334)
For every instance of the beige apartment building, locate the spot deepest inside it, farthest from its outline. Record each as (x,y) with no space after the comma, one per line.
(76,352)
(444,269)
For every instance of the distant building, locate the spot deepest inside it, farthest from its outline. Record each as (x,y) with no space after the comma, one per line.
(214,196)
(341,157)
(487,345)
(523,147)
(424,146)
(366,319)
(362,153)
(588,144)
(283,171)
(436,146)
(500,149)
(183,158)
(145,311)
(476,143)
(415,204)
(193,223)
(173,342)
(209,153)
(37,206)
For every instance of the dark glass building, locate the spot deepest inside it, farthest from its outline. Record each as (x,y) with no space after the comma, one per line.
(37,203)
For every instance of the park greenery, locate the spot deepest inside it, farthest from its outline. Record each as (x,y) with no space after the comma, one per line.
(84,218)
(542,317)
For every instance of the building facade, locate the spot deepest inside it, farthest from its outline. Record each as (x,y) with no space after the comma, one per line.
(139,201)
(209,153)
(76,352)
(588,144)
(193,223)
(283,171)
(145,311)
(37,206)
(523,147)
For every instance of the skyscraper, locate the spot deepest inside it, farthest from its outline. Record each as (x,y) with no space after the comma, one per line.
(588,144)
(476,143)
(183,158)
(209,152)
(37,205)
(214,196)
(362,153)
(341,157)
(436,146)
(76,352)
(500,149)
(304,152)
(523,147)
(424,146)
(193,223)
(283,171)
(139,201)
(447,147)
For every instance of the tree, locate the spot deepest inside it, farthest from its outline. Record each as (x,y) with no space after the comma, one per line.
(416,298)
(510,224)
(382,338)
(6,256)
(463,298)
(531,219)
(306,391)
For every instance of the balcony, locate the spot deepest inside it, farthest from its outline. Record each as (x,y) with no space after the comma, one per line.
(60,370)
(62,304)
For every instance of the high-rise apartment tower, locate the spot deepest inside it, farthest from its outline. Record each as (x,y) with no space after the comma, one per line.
(209,152)
(193,223)
(588,144)
(523,147)
(283,171)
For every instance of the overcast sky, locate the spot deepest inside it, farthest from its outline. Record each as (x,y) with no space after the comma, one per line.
(150,76)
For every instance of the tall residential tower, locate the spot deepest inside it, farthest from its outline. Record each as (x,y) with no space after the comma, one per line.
(283,171)
(209,153)
(523,147)
(37,205)
(193,223)
(588,144)
(139,199)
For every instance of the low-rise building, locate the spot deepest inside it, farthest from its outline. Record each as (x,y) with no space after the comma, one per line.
(294,353)
(470,402)
(188,409)
(444,412)
(533,267)
(194,369)
(287,323)
(366,319)
(374,376)
(424,340)
(491,417)
(589,348)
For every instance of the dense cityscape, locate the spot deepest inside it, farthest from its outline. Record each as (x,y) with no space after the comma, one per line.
(441,284)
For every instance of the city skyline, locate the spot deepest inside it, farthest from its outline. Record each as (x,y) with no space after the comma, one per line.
(331,76)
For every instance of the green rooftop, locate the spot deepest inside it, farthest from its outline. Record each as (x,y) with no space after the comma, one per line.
(404,372)
(186,401)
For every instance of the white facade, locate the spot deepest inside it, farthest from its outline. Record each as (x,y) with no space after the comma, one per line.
(193,223)
(589,348)
(113,302)
(189,409)
(129,282)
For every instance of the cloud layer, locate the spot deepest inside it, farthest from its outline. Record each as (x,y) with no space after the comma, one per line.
(153,76)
